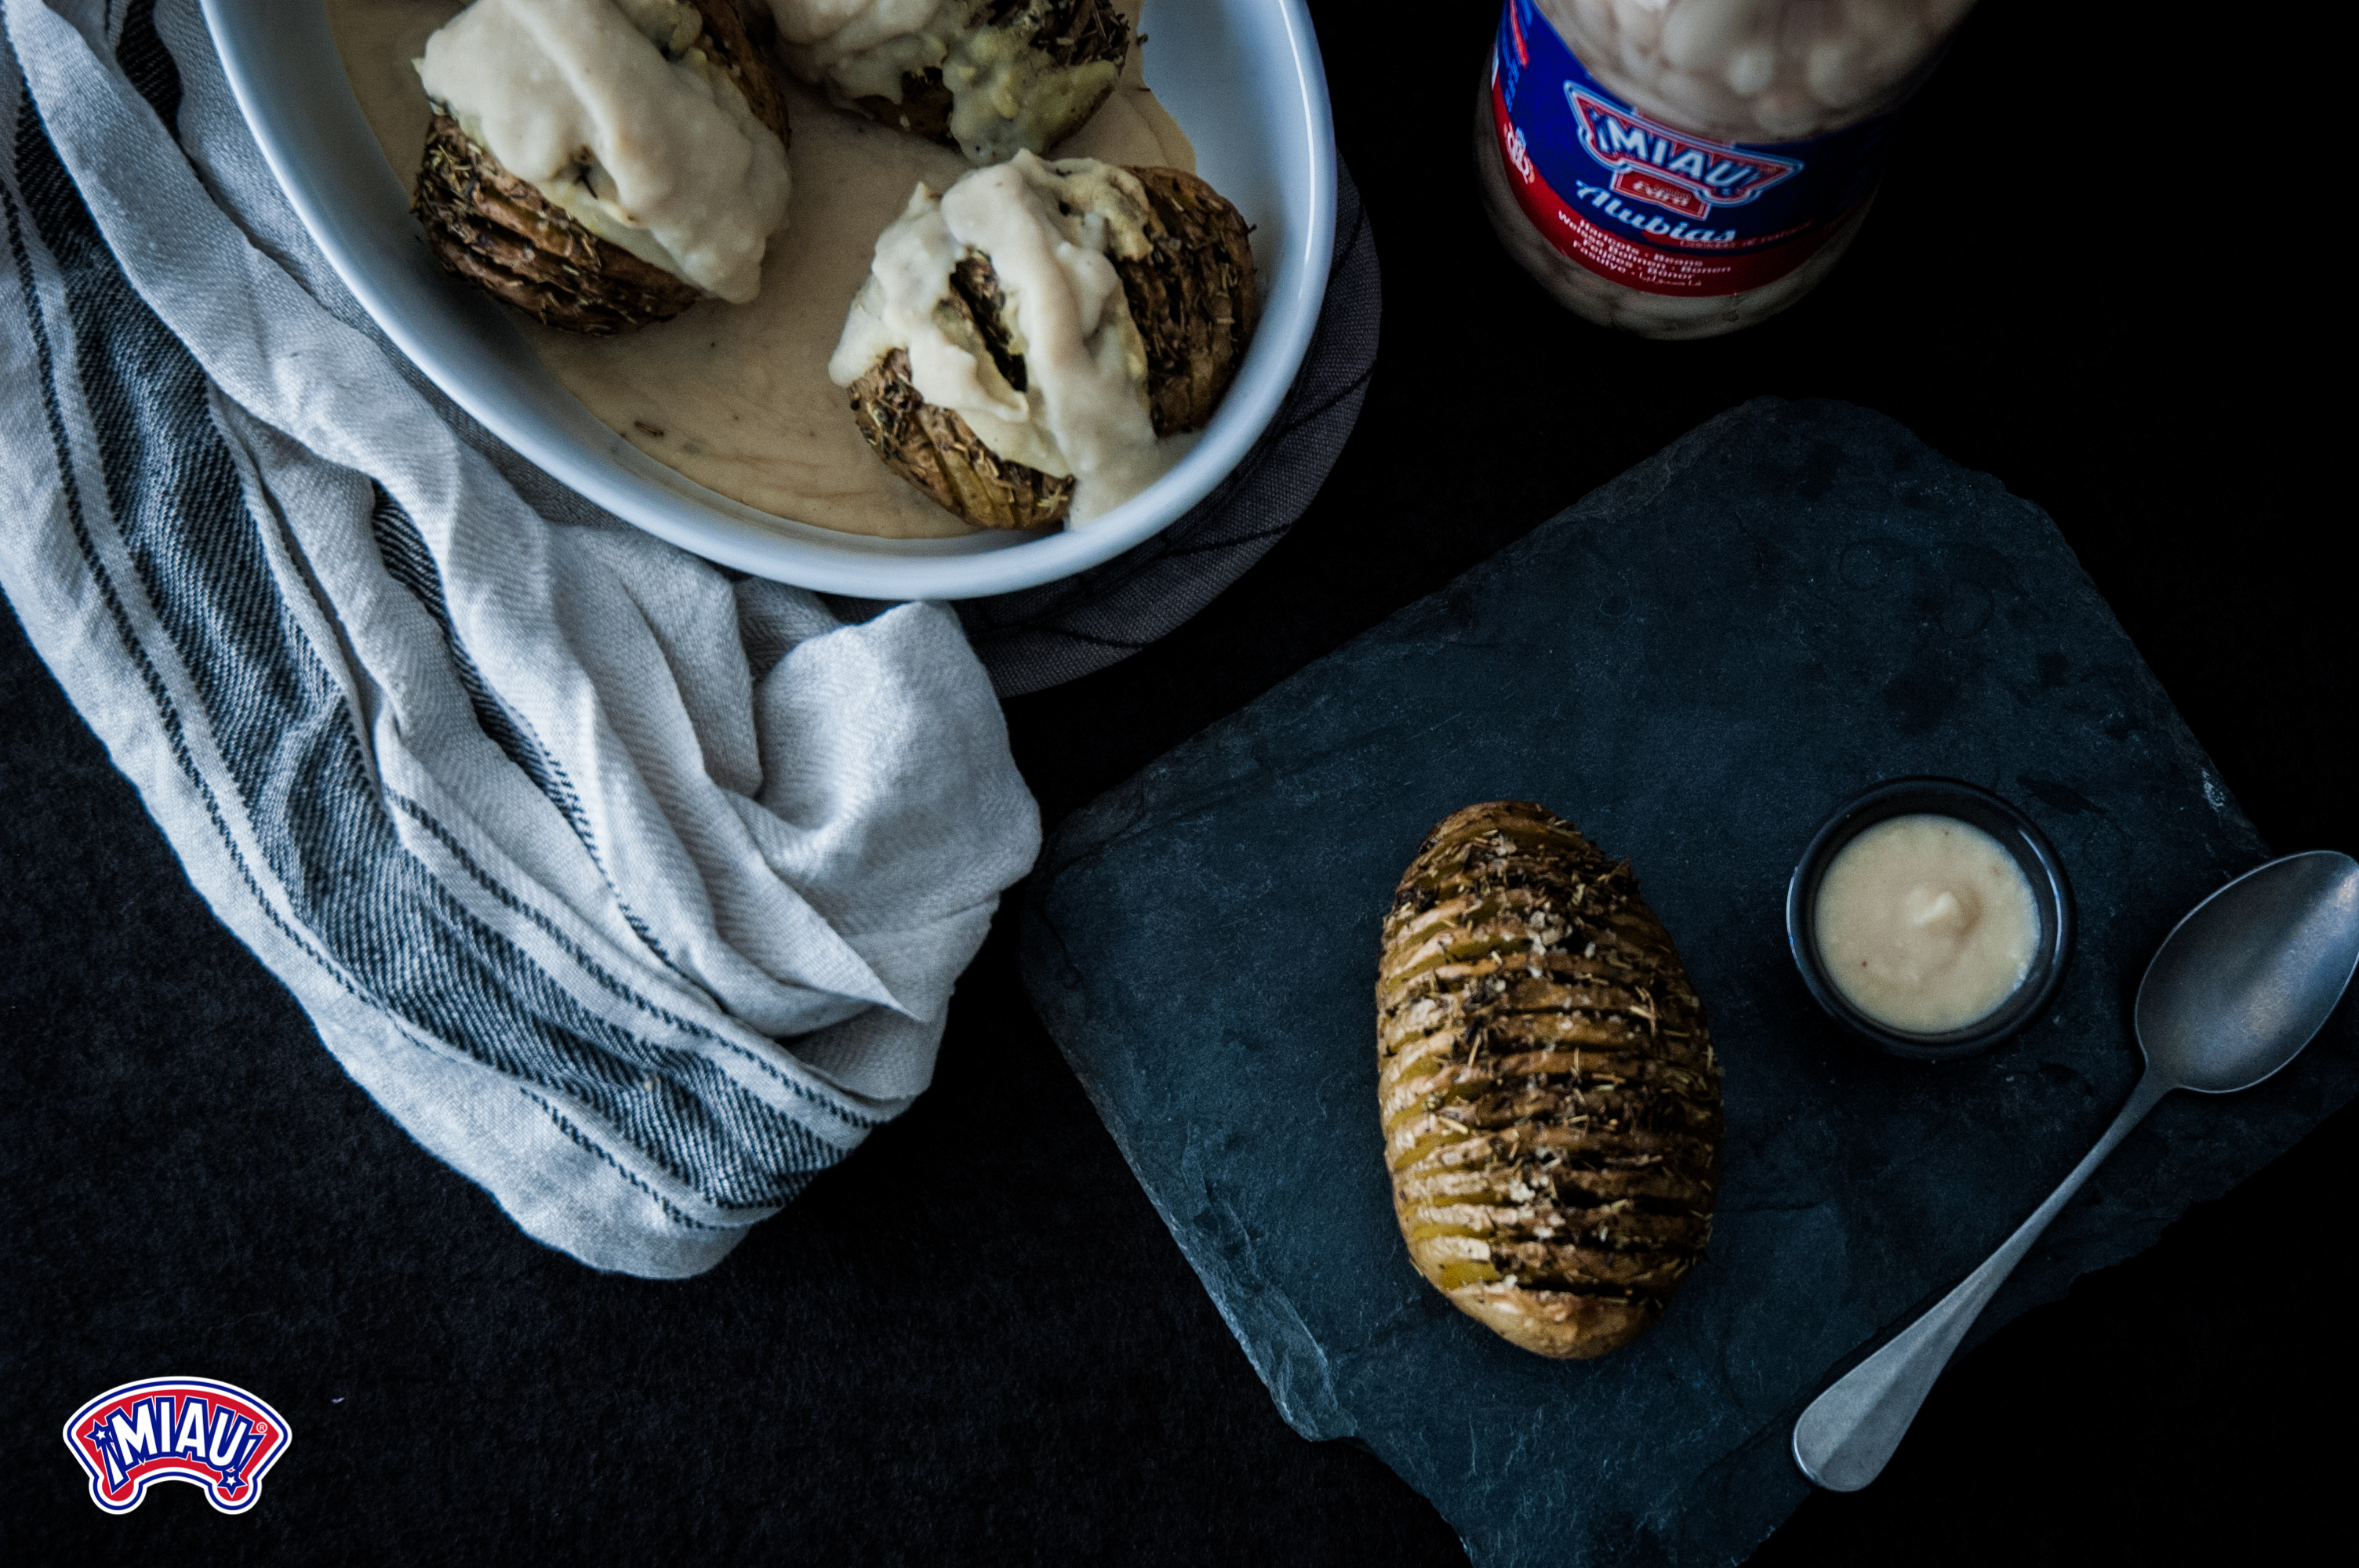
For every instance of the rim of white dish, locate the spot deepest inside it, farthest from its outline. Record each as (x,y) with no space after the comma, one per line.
(261,48)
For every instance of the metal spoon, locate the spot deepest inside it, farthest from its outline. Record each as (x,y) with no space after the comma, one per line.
(2235,991)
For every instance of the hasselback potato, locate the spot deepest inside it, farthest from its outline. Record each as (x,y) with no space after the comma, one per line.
(1065,39)
(1194,300)
(500,233)
(1550,1098)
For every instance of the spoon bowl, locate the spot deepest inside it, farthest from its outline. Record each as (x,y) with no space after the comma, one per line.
(2237,988)
(2243,981)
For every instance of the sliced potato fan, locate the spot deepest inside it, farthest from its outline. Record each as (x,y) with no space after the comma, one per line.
(502,234)
(1549,1097)
(1192,299)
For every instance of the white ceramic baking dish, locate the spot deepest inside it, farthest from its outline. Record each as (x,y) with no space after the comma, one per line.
(1243,78)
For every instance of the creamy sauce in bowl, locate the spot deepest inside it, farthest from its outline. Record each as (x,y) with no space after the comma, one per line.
(737,398)
(1926,923)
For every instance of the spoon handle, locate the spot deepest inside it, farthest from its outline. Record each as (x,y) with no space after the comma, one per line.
(1844,1439)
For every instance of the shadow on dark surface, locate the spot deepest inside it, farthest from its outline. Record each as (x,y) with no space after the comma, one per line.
(974,1341)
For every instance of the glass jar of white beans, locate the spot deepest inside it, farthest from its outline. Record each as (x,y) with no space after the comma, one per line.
(1681,168)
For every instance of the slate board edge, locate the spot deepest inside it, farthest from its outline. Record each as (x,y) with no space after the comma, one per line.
(1308,1407)
(1103,821)
(1297,1380)
(1312,1410)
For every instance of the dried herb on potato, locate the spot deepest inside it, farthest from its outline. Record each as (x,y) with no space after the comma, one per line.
(1549,1097)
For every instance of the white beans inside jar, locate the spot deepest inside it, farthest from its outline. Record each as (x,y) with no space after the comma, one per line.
(1757,71)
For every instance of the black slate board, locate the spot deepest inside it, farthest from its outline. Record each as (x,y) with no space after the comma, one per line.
(1694,664)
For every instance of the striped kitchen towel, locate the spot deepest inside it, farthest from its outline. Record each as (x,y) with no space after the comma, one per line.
(635,894)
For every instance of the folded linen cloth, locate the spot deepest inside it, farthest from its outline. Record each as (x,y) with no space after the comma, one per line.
(634,894)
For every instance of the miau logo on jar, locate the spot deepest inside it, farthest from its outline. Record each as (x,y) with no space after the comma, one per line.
(215,1437)
(1655,163)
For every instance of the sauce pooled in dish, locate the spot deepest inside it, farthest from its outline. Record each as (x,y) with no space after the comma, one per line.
(1926,923)
(737,396)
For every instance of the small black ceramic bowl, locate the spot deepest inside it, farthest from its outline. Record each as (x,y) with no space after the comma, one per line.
(1980,807)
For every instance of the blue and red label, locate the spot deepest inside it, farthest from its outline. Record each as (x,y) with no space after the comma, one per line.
(1652,207)
(215,1437)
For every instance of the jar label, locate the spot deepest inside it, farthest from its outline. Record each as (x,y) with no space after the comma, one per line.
(1657,209)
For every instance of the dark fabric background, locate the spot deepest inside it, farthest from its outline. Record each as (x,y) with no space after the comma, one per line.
(974,1341)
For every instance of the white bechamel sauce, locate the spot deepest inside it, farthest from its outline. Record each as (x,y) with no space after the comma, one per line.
(1003,100)
(1048,230)
(862,45)
(737,398)
(1926,923)
(658,155)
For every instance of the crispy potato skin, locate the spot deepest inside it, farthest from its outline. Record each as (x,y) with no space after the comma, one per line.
(1550,1098)
(939,453)
(729,44)
(1194,300)
(495,231)
(1194,296)
(485,224)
